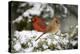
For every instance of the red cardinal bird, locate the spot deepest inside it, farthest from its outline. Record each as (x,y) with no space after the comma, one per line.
(39,24)
(53,26)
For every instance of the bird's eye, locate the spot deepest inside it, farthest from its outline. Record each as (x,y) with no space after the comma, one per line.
(57,22)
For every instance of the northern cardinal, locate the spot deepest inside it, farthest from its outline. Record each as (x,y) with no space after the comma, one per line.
(53,26)
(39,24)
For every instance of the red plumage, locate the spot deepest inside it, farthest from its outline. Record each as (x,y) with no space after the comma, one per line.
(39,24)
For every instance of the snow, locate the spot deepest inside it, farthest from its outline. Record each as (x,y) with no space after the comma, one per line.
(16,33)
(44,35)
(74,43)
(60,41)
(49,41)
(48,50)
(22,5)
(29,44)
(59,47)
(26,36)
(56,37)
(28,49)
(51,10)
(36,10)
(55,42)
(35,44)
(17,19)
(65,41)
(17,46)
(65,9)
(45,46)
